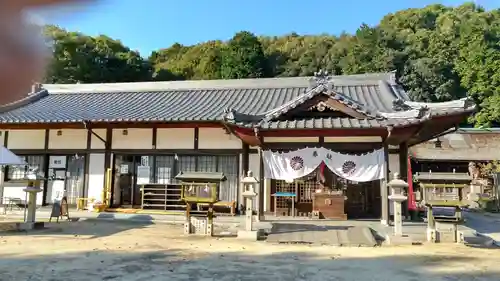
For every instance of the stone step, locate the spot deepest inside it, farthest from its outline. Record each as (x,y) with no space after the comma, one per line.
(290,233)
(479,241)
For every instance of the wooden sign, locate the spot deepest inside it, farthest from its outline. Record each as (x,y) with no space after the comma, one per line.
(60,209)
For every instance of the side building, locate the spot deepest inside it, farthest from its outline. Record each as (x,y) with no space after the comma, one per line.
(72,134)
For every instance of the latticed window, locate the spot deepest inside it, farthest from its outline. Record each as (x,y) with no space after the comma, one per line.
(167,167)
(35,165)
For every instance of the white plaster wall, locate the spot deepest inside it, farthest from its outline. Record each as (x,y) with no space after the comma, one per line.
(96,176)
(135,139)
(175,138)
(2,136)
(69,139)
(216,138)
(26,139)
(95,142)
(291,139)
(15,190)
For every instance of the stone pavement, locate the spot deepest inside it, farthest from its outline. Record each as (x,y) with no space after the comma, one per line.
(476,222)
(486,224)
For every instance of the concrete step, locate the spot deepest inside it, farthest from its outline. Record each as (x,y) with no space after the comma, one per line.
(296,233)
(479,241)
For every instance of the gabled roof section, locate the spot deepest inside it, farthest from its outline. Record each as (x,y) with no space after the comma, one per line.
(320,86)
(349,93)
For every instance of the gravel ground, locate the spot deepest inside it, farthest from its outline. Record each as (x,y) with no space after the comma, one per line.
(99,250)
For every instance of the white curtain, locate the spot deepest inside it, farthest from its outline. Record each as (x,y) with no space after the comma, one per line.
(299,163)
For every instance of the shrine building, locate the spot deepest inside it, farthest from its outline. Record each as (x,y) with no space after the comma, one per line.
(148,132)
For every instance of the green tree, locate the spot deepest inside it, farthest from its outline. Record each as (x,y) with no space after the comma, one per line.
(440,53)
(83,59)
(243,57)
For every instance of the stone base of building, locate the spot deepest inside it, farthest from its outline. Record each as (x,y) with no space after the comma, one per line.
(30,226)
(396,240)
(251,235)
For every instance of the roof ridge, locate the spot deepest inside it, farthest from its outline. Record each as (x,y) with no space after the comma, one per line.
(25,101)
(247,83)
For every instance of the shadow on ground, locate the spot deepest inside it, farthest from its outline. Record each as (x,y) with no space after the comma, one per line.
(184,265)
(82,228)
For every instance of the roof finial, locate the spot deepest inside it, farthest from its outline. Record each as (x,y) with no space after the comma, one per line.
(321,77)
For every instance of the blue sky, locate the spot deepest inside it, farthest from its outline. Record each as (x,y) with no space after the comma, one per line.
(147,25)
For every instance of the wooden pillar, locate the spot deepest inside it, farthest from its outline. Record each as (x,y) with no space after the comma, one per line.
(403,171)
(5,169)
(107,162)
(46,161)
(87,165)
(154,176)
(384,190)
(245,159)
(260,210)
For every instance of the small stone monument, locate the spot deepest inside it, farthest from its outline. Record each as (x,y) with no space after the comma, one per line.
(397,197)
(249,195)
(32,189)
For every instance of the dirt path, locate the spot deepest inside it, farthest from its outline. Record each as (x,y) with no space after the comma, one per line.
(124,251)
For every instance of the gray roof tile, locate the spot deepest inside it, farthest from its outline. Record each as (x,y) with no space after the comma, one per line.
(180,101)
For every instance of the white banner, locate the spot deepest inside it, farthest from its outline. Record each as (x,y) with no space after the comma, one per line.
(299,163)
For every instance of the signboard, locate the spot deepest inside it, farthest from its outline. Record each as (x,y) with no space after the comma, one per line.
(143,173)
(59,209)
(124,169)
(57,190)
(145,161)
(57,162)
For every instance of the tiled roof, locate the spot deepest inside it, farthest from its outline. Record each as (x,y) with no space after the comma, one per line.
(461,146)
(333,123)
(250,100)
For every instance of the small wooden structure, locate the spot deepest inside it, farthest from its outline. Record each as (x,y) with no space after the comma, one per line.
(196,188)
(329,205)
(438,187)
(443,197)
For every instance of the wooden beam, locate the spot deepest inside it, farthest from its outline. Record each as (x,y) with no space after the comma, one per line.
(87,165)
(107,160)
(384,190)
(325,132)
(46,160)
(196,138)
(245,159)
(6,145)
(155,138)
(359,147)
(403,171)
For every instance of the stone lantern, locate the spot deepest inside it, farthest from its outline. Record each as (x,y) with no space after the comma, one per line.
(397,197)
(249,182)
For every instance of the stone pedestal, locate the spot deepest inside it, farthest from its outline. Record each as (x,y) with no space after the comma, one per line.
(397,190)
(31,212)
(249,233)
(446,232)
(398,215)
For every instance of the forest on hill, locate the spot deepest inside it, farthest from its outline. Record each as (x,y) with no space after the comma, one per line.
(439,53)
